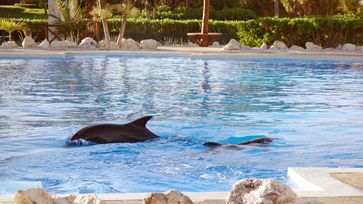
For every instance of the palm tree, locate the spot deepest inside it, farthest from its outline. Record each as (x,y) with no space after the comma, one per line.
(126,10)
(102,14)
(10,26)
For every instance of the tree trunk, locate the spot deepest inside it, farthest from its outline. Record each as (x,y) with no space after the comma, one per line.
(106,33)
(277,8)
(122,30)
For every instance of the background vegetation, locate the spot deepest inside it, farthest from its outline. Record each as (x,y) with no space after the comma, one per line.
(324,22)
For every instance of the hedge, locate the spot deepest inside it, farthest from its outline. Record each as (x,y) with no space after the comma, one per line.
(327,32)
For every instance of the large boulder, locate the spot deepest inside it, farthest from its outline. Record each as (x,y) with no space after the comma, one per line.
(260,191)
(156,198)
(113,45)
(88,43)
(129,44)
(28,42)
(34,195)
(312,47)
(233,45)
(279,45)
(86,199)
(150,44)
(297,48)
(58,44)
(9,44)
(349,47)
(44,44)
(171,197)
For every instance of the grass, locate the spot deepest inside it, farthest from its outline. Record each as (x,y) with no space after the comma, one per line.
(7,11)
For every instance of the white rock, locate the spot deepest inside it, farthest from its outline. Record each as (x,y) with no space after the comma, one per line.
(349,47)
(149,44)
(28,42)
(44,44)
(260,191)
(360,48)
(70,44)
(312,46)
(87,199)
(279,45)
(31,196)
(215,44)
(113,45)
(101,44)
(88,43)
(65,200)
(233,45)
(9,44)
(129,44)
(156,198)
(297,48)
(58,44)
(176,197)
(264,46)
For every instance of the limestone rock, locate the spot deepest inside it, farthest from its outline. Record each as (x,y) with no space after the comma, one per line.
(44,44)
(312,46)
(264,46)
(149,44)
(86,199)
(360,48)
(171,197)
(349,47)
(113,45)
(176,197)
(9,44)
(156,198)
(70,44)
(28,42)
(233,45)
(101,44)
(260,191)
(215,44)
(65,200)
(297,48)
(279,45)
(129,44)
(88,43)
(58,44)
(31,196)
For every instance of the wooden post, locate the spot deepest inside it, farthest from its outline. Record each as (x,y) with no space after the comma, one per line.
(204,40)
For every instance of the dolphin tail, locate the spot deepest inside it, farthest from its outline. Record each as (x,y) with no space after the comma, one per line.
(141,122)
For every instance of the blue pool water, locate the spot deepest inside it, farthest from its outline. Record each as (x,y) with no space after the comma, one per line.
(314,108)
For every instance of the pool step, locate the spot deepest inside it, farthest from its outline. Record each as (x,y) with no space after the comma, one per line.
(317,185)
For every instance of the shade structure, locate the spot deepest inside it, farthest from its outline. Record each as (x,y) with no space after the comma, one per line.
(204,38)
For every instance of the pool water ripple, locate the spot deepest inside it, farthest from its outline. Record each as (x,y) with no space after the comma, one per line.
(313,107)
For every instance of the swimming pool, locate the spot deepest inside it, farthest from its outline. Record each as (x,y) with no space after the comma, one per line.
(314,107)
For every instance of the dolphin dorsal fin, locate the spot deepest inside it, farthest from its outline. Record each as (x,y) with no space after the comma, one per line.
(141,122)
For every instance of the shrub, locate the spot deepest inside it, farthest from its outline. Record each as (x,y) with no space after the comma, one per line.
(327,32)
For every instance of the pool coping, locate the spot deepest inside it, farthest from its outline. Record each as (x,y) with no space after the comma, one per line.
(190,52)
(315,185)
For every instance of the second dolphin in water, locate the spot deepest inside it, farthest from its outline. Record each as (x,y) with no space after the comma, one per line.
(135,131)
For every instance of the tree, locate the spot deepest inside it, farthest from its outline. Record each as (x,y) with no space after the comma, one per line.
(349,6)
(310,7)
(277,9)
(102,14)
(11,26)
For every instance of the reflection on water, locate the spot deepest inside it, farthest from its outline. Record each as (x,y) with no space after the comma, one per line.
(314,107)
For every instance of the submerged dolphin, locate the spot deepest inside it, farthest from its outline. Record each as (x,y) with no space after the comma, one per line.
(263,140)
(135,131)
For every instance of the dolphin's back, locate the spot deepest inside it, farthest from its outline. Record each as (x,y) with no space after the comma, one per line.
(135,131)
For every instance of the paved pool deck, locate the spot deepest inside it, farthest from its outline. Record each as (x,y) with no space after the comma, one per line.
(191,52)
(312,186)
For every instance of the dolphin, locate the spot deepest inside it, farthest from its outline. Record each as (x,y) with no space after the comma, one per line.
(264,140)
(134,131)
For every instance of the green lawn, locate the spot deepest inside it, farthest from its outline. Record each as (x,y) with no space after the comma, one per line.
(21,12)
